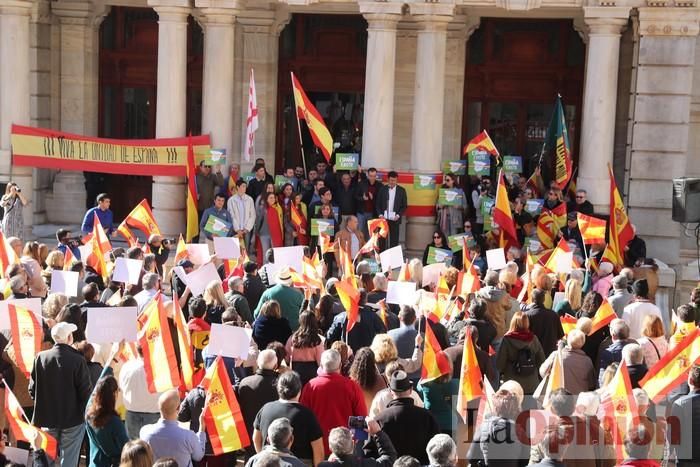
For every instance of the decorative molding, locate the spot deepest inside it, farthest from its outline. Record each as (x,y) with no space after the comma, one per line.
(80,13)
(15,7)
(172,14)
(519,5)
(654,21)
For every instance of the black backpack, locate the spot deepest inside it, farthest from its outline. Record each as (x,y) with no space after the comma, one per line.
(524,364)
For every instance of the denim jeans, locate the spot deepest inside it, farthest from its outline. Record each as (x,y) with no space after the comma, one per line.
(69,442)
(135,420)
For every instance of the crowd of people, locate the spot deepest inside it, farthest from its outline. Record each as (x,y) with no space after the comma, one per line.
(312,392)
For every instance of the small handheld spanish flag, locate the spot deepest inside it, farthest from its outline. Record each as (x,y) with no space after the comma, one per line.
(22,429)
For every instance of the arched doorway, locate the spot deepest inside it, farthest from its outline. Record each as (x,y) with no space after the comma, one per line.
(127,91)
(514,70)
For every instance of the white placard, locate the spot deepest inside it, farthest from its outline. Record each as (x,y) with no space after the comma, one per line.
(32,304)
(563,262)
(16,455)
(127,270)
(431,273)
(179,271)
(111,324)
(65,282)
(85,251)
(198,279)
(391,258)
(198,253)
(229,341)
(496,259)
(227,247)
(558,298)
(290,256)
(401,293)
(271,270)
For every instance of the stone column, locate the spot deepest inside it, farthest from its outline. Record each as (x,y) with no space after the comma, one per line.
(14,91)
(378,120)
(428,104)
(604,25)
(218,85)
(660,123)
(169,192)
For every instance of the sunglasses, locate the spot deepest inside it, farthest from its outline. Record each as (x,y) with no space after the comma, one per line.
(437,237)
(467,226)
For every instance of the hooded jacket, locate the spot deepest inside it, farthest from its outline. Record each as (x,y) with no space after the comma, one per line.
(497,305)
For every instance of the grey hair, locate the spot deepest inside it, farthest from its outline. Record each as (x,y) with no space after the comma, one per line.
(149,281)
(555,441)
(576,339)
(441,450)
(632,354)
(640,396)
(380,282)
(267,459)
(280,432)
(234,283)
(619,329)
(619,282)
(16,284)
(340,441)
(330,361)
(267,360)
(590,401)
(491,278)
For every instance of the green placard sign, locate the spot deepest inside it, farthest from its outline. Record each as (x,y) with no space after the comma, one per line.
(423,182)
(450,197)
(280,180)
(319,226)
(486,206)
(217,227)
(346,160)
(215,157)
(479,163)
(458,167)
(456,242)
(534,206)
(438,255)
(248,176)
(512,164)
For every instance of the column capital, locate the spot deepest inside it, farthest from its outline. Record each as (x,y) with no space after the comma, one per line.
(218,16)
(673,21)
(79,13)
(381,15)
(605,20)
(264,21)
(15,7)
(172,14)
(433,16)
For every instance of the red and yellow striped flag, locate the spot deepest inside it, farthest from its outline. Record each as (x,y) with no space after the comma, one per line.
(184,341)
(435,362)
(181,250)
(553,260)
(22,429)
(310,274)
(222,414)
(467,280)
(547,229)
(350,298)
(141,218)
(470,378)
(559,215)
(603,316)
(619,406)
(4,254)
(191,204)
(306,111)
(404,273)
(325,243)
(482,141)
(568,323)
(157,346)
(347,265)
(27,334)
(131,240)
(555,379)
(501,211)
(100,247)
(68,259)
(379,223)
(296,217)
(620,227)
(592,229)
(383,313)
(673,368)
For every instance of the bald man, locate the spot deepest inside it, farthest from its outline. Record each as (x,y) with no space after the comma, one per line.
(167,439)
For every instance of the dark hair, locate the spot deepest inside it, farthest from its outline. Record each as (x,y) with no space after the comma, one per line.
(538,296)
(91,292)
(591,303)
(279,350)
(392,174)
(364,368)
(442,237)
(230,316)
(198,307)
(104,401)
(324,311)
(562,402)
(257,167)
(219,195)
(136,453)
(102,196)
(134,252)
(477,308)
(288,385)
(407,314)
(322,191)
(686,313)
(128,300)
(307,335)
(240,182)
(61,234)
(165,462)
(406,461)
(250,267)
(77,266)
(85,348)
(641,288)
(694,376)
(72,313)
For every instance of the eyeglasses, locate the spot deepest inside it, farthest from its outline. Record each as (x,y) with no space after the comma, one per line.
(467,226)
(437,237)
(580,197)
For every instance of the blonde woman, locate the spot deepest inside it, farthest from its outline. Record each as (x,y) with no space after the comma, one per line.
(216,301)
(385,352)
(653,342)
(54,261)
(572,299)
(53,305)
(30,261)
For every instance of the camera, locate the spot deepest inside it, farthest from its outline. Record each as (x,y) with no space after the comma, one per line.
(19,190)
(74,242)
(167,241)
(357,423)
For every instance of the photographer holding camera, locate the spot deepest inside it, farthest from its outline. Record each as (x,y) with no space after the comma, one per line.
(12,203)
(345,444)
(65,241)
(160,247)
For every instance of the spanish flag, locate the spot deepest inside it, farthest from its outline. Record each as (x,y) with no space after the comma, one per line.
(296,217)
(68,260)
(470,378)
(100,247)
(181,250)
(619,406)
(157,346)
(370,246)
(620,227)
(603,316)
(350,299)
(141,218)
(568,323)
(442,287)
(562,247)
(501,210)
(592,229)
(546,229)
(673,368)
(5,250)
(482,141)
(306,111)
(379,223)
(310,274)
(435,362)
(185,346)
(467,282)
(191,206)
(404,273)
(559,215)
(536,183)
(383,313)
(22,429)
(27,334)
(348,267)
(555,379)
(126,233)
(325,243)
(222,414)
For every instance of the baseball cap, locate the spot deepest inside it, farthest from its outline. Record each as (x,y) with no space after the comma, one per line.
(61,331)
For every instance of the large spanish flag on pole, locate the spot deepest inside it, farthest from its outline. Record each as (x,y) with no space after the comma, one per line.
(222,414)
(620,227)
(184,345)
(435,362)
(157,346)
(484,142)
(27,334)
(501,210)
(558,139)
(140,218)
(192,216)
(592,229)
(673,368)
(306,111)
(22,429)
(470,378)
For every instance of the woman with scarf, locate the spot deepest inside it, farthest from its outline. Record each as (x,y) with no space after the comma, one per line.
(520,354)
(450,218)
(270,226)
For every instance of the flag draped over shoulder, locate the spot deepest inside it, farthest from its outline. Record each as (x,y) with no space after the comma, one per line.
(621,231)
(192,216)
(222,414)
(557,139)
(27,334)
(592,229)
(306,111)
(470,378)
(435,362)
(140,218)
(484,142)
(157,346)
(501,210)
(22,429)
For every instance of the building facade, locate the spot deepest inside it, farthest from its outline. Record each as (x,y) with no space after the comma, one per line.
(419,78)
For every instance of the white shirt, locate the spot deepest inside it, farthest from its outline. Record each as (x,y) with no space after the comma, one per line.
(390,203)
(132,381)
(634,315)
(142,298)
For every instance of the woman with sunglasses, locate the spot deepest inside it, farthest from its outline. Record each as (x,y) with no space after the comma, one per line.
(450,218)
(439,241)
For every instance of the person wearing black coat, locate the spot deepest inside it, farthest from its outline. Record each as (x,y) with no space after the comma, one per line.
(258,389)
(346,453)
(686,410)
(400,204)
(268,328)
(362,333)
(160,249)
(544,323)
(253,286)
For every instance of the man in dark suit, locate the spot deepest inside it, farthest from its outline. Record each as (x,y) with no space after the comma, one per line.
(392,203)
(685,438)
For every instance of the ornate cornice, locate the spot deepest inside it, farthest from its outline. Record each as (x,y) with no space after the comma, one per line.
(678,21)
